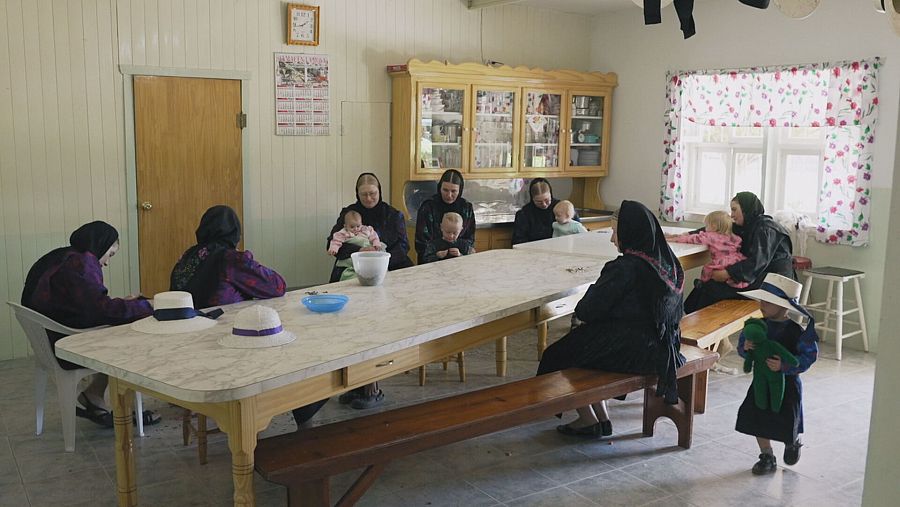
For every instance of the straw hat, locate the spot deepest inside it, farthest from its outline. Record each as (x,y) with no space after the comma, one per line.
(173,313)
(257,326)
(797,9)
(880,5)
(663,3)
(778,290)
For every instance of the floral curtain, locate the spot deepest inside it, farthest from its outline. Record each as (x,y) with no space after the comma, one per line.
(841,97)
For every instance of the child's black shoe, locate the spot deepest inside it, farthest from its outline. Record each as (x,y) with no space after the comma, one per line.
(765,465)
(792,453)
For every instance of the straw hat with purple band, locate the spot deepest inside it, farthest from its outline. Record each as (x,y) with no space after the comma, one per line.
(174,313)
(257,326)
(782,291)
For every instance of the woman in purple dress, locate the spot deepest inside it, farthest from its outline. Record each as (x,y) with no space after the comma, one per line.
(66,285)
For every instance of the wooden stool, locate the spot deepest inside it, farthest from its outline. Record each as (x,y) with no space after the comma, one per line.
(460,361)
(833,306)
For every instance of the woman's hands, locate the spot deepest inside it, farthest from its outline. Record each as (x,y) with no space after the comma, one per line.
(720,275)
(774,363)
(368,249)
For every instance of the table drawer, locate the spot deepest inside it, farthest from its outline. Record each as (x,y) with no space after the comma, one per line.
(559,307)
(381,367)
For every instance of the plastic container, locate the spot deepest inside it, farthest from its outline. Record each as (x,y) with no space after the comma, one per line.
(325,303)
(370,267)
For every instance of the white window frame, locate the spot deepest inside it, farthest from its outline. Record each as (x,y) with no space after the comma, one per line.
(773,146)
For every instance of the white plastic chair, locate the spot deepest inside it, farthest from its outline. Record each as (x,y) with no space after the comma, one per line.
(36,327)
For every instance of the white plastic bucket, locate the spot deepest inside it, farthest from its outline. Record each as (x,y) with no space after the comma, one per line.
(370,267)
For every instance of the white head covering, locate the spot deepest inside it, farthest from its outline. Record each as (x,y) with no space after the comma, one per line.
(782,291)
(174,313)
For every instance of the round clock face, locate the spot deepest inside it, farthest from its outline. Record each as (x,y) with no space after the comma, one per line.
(581,137)
(797,9)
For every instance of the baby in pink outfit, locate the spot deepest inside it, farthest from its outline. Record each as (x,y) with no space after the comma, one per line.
(724,246)
(354,232)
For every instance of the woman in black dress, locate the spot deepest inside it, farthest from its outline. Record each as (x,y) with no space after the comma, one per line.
(535,220)
(630,316)
(390,225)
(764,242)
(448,198)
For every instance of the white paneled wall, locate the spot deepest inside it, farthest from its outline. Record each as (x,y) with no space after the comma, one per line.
(62,146)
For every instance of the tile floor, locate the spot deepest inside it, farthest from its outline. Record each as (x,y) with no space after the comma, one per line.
(526,466)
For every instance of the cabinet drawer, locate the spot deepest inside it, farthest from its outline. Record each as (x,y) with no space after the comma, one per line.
(482,242)
(559,307)
(501,234)
(381,367)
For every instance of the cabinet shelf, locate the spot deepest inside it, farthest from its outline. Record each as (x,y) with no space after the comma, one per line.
(541,144)
(532,115)
(587,117)
(426,114)
(584,144)
(446,144)
(496,115)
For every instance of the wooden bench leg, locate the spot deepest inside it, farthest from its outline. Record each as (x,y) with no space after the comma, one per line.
(500,355)
(201,438)
(315,493)
(461,363)
(542,333)
(681,414)
(700,388)
(363,483)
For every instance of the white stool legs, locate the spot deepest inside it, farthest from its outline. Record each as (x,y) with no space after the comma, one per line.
(833,306)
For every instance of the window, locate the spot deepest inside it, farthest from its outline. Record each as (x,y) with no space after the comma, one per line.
(782,165)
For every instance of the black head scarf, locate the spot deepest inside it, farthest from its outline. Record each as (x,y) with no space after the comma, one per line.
(376,216)
(751,207)
(96,237)
(459,205)
(198,269)
(641,236)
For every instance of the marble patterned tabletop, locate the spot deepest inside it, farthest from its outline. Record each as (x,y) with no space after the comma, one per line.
(413,306)
(597,244)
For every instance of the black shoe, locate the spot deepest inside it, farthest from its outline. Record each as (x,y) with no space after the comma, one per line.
(593,430)
(364,402)
(605,428)
(765,465)
(792,453)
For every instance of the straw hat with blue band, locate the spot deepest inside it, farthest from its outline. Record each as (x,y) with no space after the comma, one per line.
(174,313)
(257,326)
(784,292)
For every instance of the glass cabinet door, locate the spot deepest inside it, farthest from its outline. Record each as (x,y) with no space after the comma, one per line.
(441,127)
(494,130)
(586,123)
(542,147)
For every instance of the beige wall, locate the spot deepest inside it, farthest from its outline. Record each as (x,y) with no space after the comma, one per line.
(62,144)
(730,34)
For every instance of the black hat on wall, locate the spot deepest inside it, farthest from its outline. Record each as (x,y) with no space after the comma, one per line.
(759,4)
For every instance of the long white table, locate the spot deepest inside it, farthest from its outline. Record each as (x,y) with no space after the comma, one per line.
(419,315)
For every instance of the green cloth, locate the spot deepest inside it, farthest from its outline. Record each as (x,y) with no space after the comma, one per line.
(768,385)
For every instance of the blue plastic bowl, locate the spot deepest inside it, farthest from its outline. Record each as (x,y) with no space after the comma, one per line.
(325,303)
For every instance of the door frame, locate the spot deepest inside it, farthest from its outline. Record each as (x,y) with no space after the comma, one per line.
(131,201)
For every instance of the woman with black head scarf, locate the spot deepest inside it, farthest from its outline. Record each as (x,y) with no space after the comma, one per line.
(215,272)
(630,316)
(448,198)
(765,243)
(387,221)
(66,285)
(535,220)
(390,225)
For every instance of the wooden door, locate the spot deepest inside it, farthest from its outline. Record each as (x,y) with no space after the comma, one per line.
(188,147)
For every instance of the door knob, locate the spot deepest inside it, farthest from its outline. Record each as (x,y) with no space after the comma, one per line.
(146,205)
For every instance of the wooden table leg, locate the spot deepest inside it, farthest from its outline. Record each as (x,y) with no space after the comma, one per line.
(121,399)
(542,332)
(501,357)
(241,430)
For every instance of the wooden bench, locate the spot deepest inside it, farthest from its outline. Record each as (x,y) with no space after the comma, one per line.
(707,327)
(303,461)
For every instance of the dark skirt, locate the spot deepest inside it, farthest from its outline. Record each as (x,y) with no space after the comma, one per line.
(784,426)
(617,348)
(708,293)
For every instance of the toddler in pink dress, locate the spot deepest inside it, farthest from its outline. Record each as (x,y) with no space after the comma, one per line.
(724,246)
